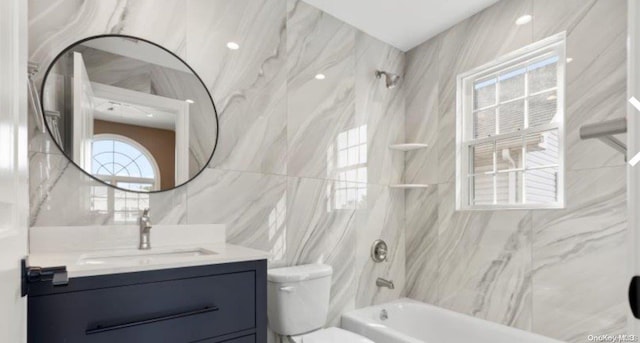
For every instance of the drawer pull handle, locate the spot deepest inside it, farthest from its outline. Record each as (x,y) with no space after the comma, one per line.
(100,328)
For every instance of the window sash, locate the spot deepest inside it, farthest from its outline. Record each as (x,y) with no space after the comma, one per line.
(551,47)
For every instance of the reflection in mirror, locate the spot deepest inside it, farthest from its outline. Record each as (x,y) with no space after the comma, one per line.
(129,113)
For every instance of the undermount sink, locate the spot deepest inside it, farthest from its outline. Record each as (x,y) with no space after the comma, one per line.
(143,256)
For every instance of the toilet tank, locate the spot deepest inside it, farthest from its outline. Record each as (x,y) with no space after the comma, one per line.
(298,298)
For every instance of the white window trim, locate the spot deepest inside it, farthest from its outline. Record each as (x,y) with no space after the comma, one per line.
(556,44)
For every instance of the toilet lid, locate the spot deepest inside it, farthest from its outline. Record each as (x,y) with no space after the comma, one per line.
(334,335)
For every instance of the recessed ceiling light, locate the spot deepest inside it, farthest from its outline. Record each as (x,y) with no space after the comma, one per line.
(190,101)
(524,19)
(552,97)
(320,77)
(569,59)
(233,45)
(149,115)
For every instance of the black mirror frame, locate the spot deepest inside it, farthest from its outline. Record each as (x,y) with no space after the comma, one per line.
(67,49)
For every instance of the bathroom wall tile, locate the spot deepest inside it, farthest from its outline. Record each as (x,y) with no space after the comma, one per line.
(469,44)
(551,17)
(61,194)
(318,110)
(580,256)
(421,124)
(379,108)
(267,99)
(169,207)
(202,121)
(319,231)
(382,218)
(484,261)
(56,25)
(596,76)
(248,85)
(421,208)
(517,267)
(252,205)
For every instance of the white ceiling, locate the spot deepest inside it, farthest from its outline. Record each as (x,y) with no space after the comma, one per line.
(130,114)
(402,23)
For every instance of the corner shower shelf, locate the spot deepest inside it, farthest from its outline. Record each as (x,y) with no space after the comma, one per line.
(409,185)
(408,146)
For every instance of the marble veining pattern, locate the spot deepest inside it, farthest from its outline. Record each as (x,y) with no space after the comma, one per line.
(590,233)
(381,218)
(273,182)
(318,110)
(520,268)
(249,85)
(421,215)
(270,180)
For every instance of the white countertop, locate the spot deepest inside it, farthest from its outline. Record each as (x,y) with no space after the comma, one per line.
(100,249)
(73,260)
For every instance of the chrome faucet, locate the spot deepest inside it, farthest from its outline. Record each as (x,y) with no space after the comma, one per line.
(380,282)
(145,230)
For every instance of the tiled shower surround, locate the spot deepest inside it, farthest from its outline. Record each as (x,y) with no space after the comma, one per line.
(560,273)
(276,184)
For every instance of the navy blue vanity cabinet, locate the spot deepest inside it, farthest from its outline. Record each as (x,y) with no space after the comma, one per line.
(211,304)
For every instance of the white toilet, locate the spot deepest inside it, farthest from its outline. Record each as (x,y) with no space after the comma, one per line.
(298,302)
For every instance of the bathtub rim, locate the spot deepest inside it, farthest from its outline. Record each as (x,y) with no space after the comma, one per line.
(358,316)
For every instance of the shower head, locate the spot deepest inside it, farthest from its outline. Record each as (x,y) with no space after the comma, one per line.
(391,80)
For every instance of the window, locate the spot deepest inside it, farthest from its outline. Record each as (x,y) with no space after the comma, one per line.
(124,163)
(120,161)
(510,131)
(347,158)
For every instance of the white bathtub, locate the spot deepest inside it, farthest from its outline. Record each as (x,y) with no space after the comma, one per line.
(410,321)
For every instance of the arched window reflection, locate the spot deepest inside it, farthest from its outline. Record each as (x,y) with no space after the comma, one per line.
(122,162)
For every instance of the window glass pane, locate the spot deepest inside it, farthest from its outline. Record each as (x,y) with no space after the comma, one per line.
(119,217)
(511,116)
(506,159)
(484,93)
(509,188)
(512,84)
(102,164)
(146,170)
(101,146)
(482,189)
(542,149)
(509,153)
(543,75)
(342,158)
(484,123)
(126,149)
(541,186)
(482,158)
(134,186)
(542,108)
(99,204)
(99,191)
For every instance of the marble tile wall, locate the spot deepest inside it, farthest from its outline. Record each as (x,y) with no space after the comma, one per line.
(558,272)
(275,179)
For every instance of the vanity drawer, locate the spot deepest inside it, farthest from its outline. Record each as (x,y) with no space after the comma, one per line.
(184,310)
(244,339)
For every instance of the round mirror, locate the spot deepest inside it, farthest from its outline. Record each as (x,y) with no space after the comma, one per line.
(129,113)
